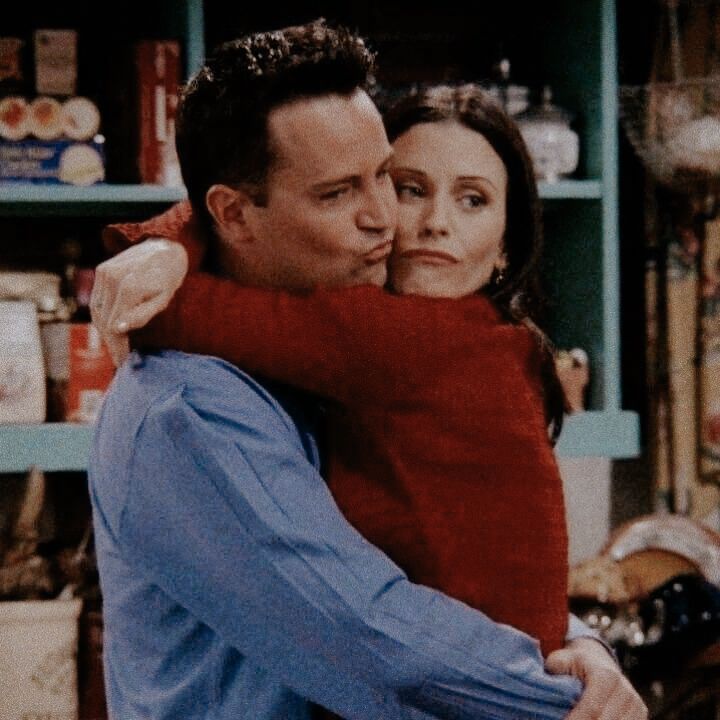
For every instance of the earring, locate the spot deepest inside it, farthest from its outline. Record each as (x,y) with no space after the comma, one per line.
(498,275)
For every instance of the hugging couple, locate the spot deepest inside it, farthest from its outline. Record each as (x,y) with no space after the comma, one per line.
(323,481)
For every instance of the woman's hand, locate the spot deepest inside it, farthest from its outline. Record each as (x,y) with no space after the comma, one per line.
(608,694)
(134,286)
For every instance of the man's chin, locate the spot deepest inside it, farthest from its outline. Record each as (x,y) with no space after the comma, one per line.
(374,275)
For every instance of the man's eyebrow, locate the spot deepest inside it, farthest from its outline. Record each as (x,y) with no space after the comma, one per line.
(345,179)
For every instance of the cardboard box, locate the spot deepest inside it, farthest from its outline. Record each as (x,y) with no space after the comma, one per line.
(55,62)
(11,65)
(157,68)
(90,373)
(52,161)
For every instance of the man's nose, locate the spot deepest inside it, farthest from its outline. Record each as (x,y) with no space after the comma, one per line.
(436,220)
(379,211)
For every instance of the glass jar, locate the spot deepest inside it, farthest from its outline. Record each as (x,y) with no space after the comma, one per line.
(553,145)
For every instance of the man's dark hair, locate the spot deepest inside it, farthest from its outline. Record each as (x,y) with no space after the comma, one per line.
(222,134)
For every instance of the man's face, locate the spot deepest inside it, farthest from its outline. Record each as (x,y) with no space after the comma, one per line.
(331,207)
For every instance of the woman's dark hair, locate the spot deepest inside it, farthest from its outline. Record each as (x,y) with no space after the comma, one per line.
(518,292)
(222,134)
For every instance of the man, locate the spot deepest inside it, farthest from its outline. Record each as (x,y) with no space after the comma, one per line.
(232,586)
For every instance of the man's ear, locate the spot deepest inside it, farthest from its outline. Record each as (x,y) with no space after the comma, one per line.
(229,208)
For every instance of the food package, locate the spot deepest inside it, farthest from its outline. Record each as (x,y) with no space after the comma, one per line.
(52,161)
(55,61)
(43,288)
(22,370)
(90,372)
(48,141)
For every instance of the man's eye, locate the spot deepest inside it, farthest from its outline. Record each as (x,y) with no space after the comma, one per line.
(335,194)
(408,191)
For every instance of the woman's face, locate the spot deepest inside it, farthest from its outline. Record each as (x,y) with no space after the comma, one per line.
(451,188)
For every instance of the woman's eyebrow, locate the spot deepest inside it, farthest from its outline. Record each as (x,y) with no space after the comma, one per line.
(410,170)
(476,178)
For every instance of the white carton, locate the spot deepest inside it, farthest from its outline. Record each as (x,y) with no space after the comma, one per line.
(38,659)
(22,369)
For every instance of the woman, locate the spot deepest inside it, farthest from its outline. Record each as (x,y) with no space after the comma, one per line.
(438,447)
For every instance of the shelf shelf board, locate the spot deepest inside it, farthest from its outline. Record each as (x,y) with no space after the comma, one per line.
(102,199)
(50,446)
(25,198)
(613,434)
(571,190)
(66,446)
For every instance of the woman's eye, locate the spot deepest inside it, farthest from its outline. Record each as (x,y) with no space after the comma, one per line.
(472,200)
(408,191)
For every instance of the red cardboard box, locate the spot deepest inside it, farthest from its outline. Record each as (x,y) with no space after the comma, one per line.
(157,64)
(91,371)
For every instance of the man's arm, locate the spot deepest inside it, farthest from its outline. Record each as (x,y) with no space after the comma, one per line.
(246,536)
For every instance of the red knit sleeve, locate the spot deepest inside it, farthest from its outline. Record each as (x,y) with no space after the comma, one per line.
(179,223)
(346,344)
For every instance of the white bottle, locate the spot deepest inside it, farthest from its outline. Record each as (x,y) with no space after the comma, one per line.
(22,370)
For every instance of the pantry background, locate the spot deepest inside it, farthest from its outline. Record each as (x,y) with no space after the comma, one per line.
(135,57)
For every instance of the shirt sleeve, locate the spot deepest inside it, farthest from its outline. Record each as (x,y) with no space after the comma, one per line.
(240,529)
(359,342)
(578,629)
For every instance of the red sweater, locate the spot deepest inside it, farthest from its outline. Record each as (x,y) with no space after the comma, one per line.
(438,446)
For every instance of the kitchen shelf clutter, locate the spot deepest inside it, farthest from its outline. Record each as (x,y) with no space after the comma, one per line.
(567,45)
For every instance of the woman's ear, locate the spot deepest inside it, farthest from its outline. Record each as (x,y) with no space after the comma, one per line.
(501,263)
(497,276)
(228,207)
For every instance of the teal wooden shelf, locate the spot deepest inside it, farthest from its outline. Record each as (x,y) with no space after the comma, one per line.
(41,194)
(594,433)
(50,446)
(27,193)
(66,447)
(571,190)
(28,199)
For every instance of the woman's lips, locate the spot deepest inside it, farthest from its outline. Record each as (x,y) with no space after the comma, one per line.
(431,257)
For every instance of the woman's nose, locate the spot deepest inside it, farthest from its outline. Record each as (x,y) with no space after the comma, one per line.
(436,221)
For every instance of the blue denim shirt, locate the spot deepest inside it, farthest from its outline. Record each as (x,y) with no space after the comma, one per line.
(234,588)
